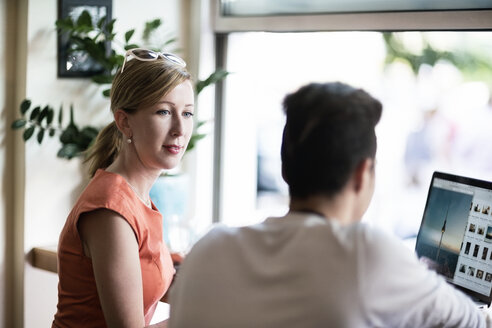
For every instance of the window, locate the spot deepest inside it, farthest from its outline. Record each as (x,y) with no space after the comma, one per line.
(436,116)
(429,111)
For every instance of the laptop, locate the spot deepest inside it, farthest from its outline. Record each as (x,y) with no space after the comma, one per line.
(455,235)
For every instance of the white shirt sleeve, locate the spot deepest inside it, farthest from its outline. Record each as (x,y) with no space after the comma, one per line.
(399,291)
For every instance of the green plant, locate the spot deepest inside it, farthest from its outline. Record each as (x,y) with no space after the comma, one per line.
(37,121)
(473,65)
(98,40)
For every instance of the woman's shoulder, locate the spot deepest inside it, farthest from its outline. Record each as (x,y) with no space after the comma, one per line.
(106,190)
(104,180)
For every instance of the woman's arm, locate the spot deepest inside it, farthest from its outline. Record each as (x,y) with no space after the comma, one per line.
(112,246)
(177,258)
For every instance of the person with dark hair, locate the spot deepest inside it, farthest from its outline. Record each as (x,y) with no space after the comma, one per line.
(113,265)
(318,266)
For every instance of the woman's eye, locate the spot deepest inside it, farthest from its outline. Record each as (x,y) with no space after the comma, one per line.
(188,114)
(163,112)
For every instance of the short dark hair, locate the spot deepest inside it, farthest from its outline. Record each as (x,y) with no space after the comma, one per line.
(328,132)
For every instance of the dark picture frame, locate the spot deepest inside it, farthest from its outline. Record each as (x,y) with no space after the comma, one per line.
(73,64)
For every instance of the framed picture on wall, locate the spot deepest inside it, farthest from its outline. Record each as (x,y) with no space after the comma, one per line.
(73,63)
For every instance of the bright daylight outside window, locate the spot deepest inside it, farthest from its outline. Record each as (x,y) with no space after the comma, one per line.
(435,88)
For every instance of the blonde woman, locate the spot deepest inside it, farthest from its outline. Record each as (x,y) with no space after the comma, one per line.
(113,264)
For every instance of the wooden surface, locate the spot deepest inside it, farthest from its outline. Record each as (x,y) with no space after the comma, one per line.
(44,258)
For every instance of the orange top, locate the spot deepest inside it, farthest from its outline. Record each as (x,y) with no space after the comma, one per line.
(78,301)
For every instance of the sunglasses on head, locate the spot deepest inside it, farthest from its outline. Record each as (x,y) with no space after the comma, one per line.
(150,55)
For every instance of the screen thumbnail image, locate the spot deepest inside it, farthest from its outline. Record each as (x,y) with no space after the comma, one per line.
(486,209)
(488,234)
(443,228)
(484,253)
(477,208)
(475,250)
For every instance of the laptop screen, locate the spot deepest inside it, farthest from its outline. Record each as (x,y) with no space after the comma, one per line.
(455,235)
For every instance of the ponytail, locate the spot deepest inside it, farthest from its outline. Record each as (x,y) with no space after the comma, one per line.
(104,150)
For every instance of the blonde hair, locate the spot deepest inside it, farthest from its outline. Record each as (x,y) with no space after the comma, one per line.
(142,84)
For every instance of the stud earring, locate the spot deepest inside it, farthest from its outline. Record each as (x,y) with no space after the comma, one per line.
(129,140)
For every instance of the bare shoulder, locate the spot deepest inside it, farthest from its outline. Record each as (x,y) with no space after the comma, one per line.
(103,228)
(100,220)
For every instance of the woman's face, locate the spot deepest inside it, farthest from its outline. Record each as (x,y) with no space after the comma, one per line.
(160,133)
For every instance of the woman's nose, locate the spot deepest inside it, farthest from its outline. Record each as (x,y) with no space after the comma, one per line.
(177,127)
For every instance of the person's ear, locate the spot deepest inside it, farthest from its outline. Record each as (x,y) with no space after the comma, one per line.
(284,174)
(362,174)
(122,122)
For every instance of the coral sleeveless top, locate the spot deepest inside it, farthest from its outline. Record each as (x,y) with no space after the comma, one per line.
(78,301)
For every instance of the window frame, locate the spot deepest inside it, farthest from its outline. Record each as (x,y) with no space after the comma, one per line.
(222,26)
(370,21)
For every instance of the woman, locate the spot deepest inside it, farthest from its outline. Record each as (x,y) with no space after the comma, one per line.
(113,265)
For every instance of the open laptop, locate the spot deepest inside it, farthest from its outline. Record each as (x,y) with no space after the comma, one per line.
(455,235)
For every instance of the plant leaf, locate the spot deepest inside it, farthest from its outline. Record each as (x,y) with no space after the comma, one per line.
(60,115)
(69,135)
(131,46)
(193,140)
(86,137)
(72,122)
(68,151)
(150,27)
(106,93)
(109,27)
(50,115)
(24,106)
(84,20)
(213,78)
(128,35)
(17,124)
(101,21)
(35,113)
(40,135)
(42,115)
(172,40)
(200,123)
(28,133)
(64,25)
(102,79)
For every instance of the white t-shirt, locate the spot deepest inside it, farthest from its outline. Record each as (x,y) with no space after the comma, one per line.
(302,270)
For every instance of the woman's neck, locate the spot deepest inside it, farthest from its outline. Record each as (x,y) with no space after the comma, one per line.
(139,178)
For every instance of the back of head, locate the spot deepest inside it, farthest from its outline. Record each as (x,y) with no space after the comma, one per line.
(329,130)
(141,84)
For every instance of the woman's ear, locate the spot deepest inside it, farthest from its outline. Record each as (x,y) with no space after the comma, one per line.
(122,122)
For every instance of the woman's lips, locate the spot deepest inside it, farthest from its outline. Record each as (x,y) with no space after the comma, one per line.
(173,149)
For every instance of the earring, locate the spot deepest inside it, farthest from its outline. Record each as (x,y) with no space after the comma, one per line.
(129,140)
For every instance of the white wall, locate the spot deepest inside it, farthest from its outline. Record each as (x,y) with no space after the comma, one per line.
(53,184)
